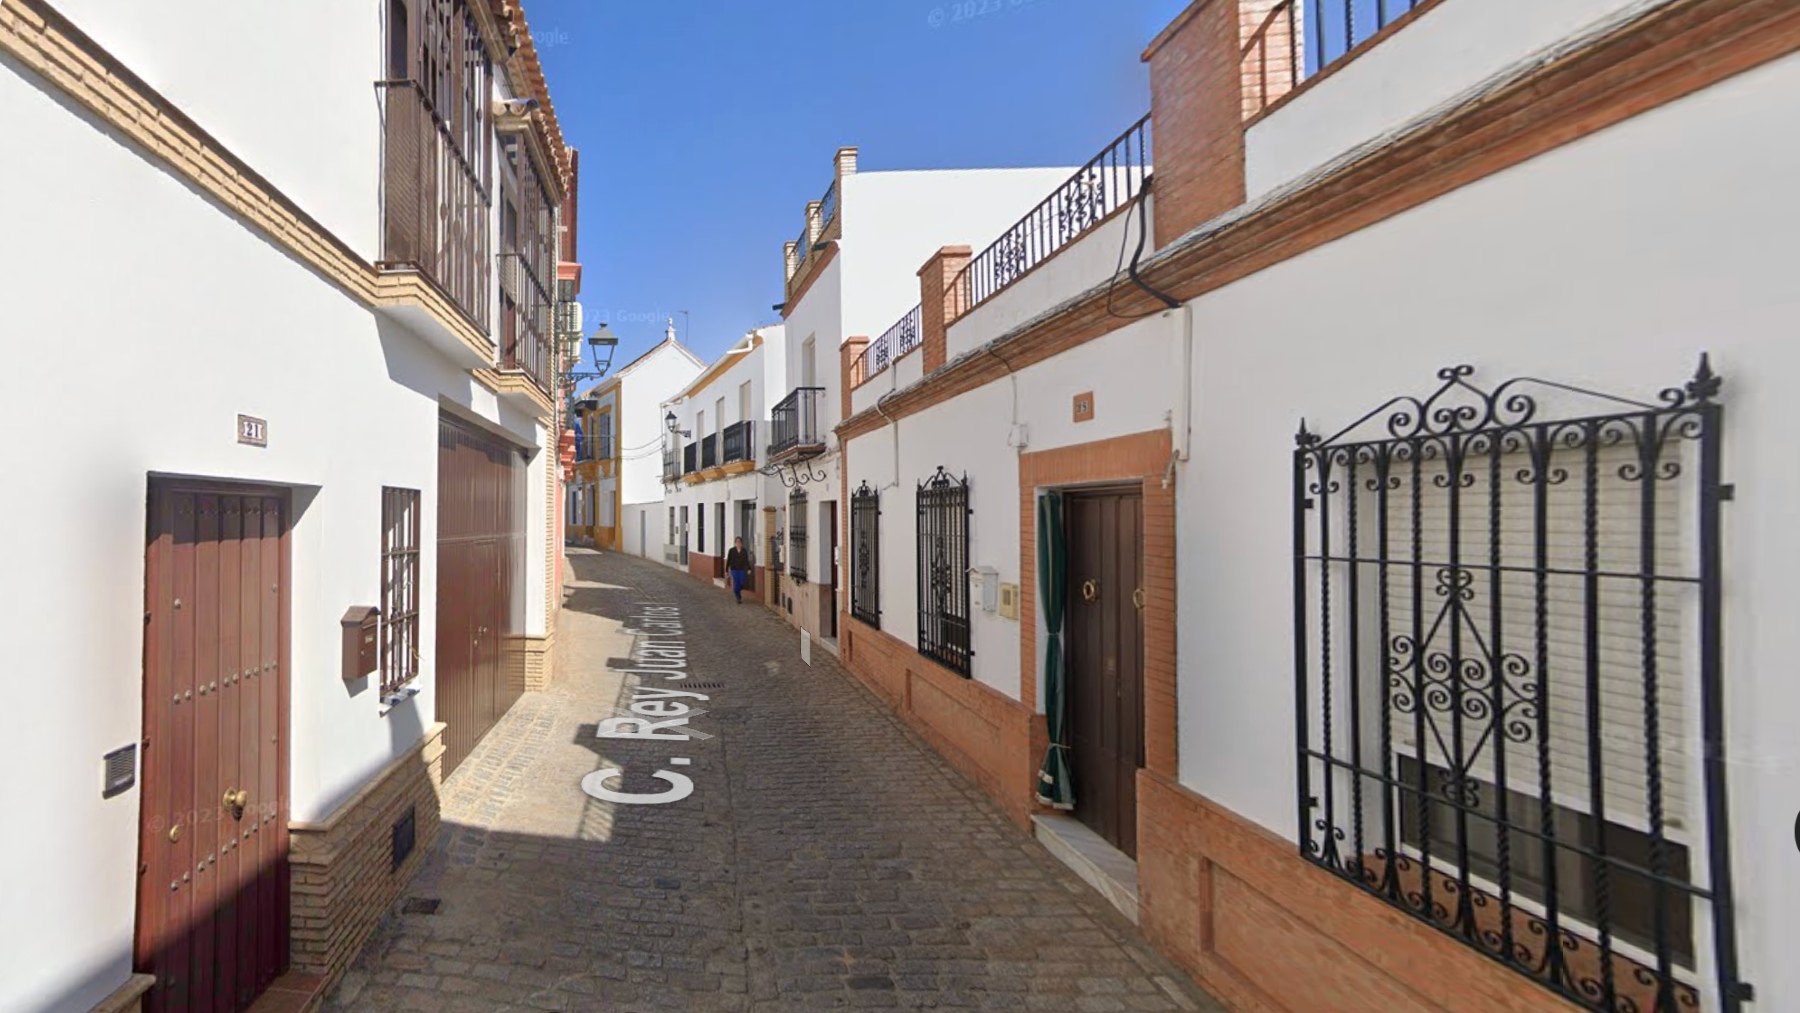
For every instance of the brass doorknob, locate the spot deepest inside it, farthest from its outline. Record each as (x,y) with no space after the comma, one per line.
(1090,590)
(237,799)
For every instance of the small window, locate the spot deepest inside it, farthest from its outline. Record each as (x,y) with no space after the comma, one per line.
(399,588)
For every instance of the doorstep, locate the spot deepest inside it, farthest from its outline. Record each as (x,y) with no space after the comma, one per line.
(293,992)
(1098,863)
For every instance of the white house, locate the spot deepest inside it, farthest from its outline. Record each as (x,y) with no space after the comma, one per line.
(1379,565)
(849,275)
(271,615)
(628,410)
(716,488)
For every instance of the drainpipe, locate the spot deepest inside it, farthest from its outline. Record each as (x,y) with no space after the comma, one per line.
(1181,425)
(893,425)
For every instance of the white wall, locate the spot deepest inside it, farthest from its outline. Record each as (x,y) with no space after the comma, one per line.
(895,221)
(1609,264)
(642,393)
(973,434)
(198,320)
(654,524)
(1450,48)
(1083,264)
(249,74)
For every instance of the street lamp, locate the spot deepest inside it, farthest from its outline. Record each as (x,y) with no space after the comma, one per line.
(672,425)
(605,339)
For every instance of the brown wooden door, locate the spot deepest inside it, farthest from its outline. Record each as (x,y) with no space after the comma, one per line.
(1105,636)
(481,537)
(212,920)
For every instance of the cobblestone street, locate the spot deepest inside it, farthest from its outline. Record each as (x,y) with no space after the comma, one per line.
(825,859)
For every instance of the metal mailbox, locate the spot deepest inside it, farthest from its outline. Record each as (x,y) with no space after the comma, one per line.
(362,649)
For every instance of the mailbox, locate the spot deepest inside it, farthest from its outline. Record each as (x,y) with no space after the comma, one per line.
(362,646)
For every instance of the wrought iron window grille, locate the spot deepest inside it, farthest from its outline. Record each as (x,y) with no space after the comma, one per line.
(943,576)
(865,555)
(400,548)
(1507,642)
(797,535)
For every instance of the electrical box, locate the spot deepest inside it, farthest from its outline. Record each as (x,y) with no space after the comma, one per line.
(1009,601)
(987,579)
(362,653)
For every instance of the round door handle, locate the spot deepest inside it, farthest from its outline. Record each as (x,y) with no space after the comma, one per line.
(1137,598)
(1090,590)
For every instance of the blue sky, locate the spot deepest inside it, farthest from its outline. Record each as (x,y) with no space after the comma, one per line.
(706,125)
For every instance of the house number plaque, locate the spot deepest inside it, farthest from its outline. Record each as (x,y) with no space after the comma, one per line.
(252,432)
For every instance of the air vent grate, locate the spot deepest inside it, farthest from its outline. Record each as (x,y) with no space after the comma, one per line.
(121,771)
(406,833)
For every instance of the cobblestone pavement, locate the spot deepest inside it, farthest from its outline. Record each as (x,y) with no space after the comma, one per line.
(827,858)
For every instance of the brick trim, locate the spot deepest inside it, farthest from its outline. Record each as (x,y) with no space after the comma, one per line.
(1646,64)
(1142,457)
(818,268)
(343,882)
(1269,932)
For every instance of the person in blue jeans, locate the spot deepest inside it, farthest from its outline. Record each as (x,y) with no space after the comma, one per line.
(737,562)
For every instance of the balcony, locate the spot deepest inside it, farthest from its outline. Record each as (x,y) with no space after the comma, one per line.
(1108,183)
(690,459)
(740,442)
(435,208)
(526,307)
(822,226)
(671,467)
(709,452)
(898,340)
(796,426)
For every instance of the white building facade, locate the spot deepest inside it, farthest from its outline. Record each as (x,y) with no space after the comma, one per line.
(850,275)
(628,485)
(1368,579)
(255,592)
(716,488)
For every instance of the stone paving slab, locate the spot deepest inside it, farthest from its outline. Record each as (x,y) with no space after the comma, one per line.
(826,859)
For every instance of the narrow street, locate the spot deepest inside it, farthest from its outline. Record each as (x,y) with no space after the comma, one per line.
(826,858)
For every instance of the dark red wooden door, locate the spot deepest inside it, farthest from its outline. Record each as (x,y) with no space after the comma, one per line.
(481,558)
(213,888)
(1105,636)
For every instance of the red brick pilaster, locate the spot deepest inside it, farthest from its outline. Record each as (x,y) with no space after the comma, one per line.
(849,375)
(942,298)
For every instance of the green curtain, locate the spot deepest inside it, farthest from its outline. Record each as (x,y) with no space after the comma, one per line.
(1055,785)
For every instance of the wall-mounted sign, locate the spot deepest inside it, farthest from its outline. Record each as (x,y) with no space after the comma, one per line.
(1084,407)
(253,431)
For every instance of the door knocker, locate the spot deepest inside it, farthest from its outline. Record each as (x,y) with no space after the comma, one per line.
(1137,598)
(1090,590)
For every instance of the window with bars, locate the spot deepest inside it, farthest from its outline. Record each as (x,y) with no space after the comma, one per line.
(399,588)
(1508,655)
(797,535)
(865,555)
(944,571)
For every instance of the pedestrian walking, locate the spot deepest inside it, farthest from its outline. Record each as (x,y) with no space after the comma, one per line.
(737,561)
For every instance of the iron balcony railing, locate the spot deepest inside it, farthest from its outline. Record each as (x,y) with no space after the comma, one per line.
(690,459)
(898,340)
(802,247)
(1300,39)
(709,451)
(828,207)
(1110,181)
(603,447)
(740,442)
(671,466)
(434,199)
(525,308)
(796,424)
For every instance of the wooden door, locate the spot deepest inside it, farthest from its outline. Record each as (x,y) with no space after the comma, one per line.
(1105,637)
(212,914)
(480,601)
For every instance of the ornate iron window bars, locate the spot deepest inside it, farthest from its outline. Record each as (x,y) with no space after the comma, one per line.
(399,588)
(865,555)
(797,535)
(1504,619)
(944,571)
(1111,180)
